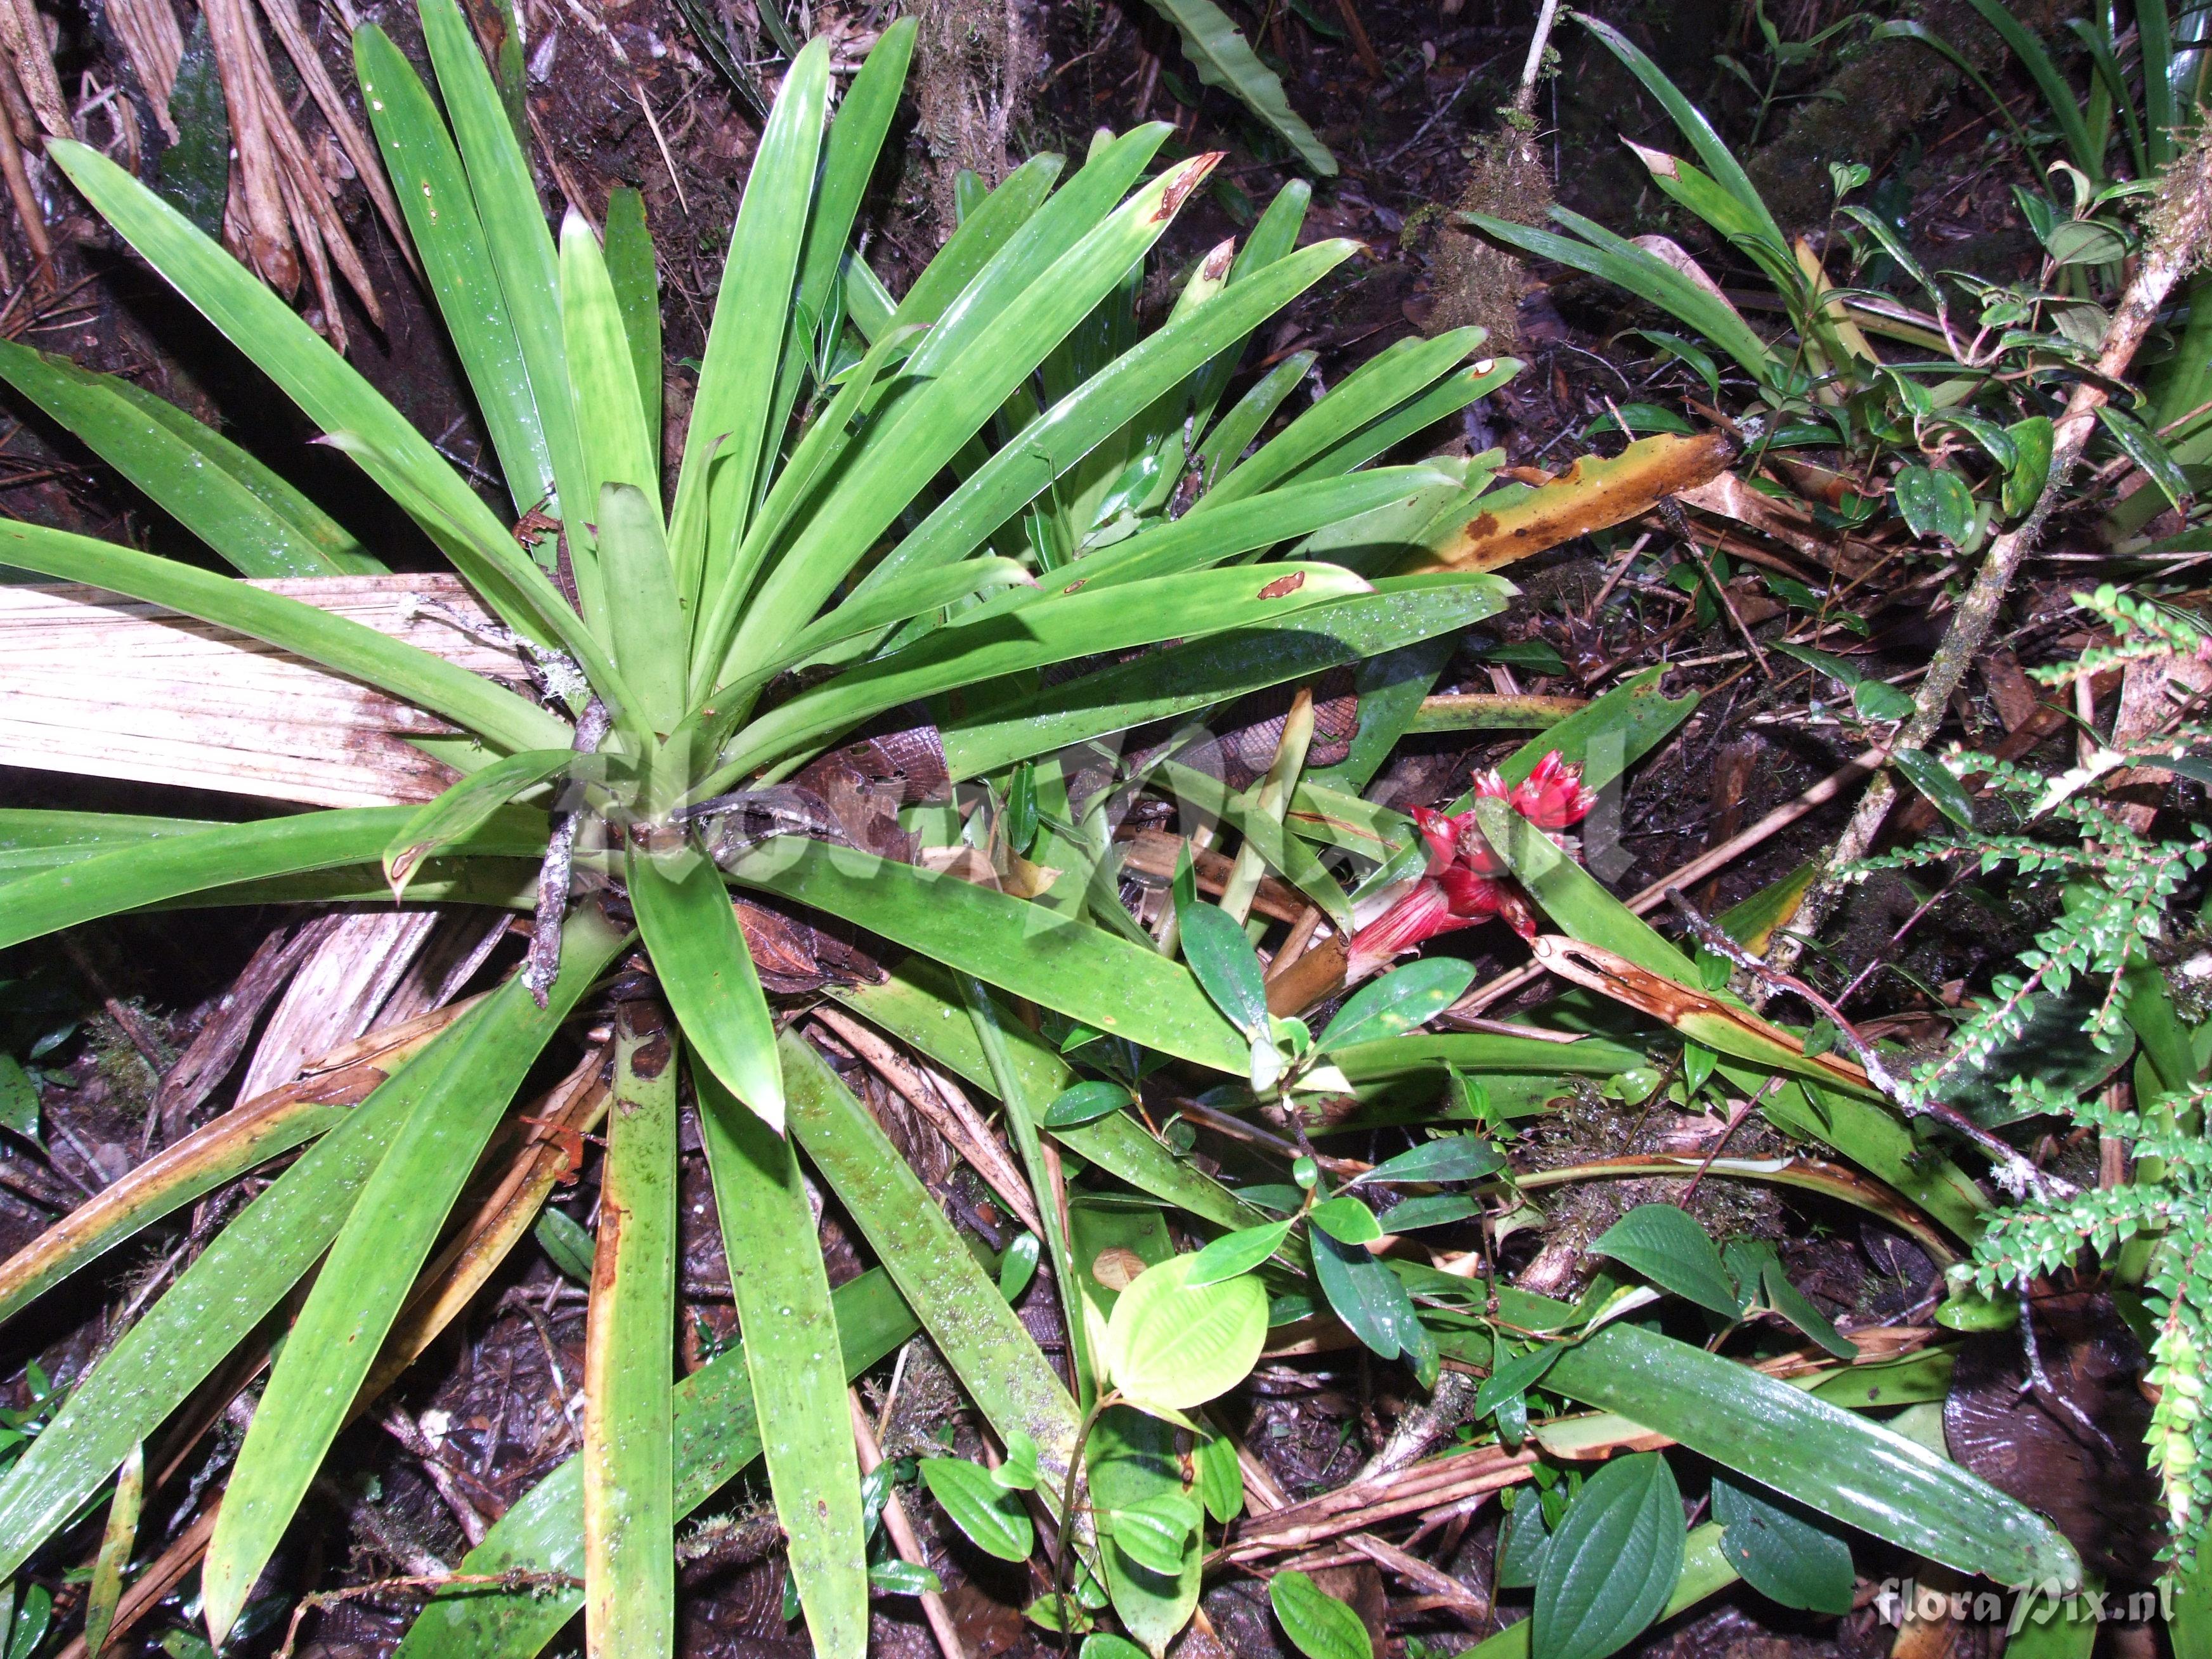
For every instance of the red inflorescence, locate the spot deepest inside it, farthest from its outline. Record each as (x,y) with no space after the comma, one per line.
(1465,882)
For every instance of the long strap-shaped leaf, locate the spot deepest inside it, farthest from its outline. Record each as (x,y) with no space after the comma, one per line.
(1369,391)
(246,1270)
(798,1375)
(32,839)
(926,430)
(643,618)
(1183,677)
(603,375)
(216,1153)
(1081,971)
(406,672)
(988,1348)
(1224,59)
(1417,414)
(371,1263)
(981,233)
(634,269)
(630,1519)
(521,247)
(334,396)
(238,507)
(1720,161)
(723,449)
(811,465)
(1018,1091)
(442,216)
(1194,543)
(1053,443)
(1834,1460)
(499,570)
(1032,249)
(715,1434)
(848,162)
(1626,265)
(133,878)
(699,950)
(920,1007)
(456,811)
(1191,605)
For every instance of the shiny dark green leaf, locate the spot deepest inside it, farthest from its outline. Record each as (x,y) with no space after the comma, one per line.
(1156,1534)
(1398,1002)
(1237,1253)
(1515,1375)
(1086,1103)
(1448,1157)
(1934,503)
(991,1516)
(1220,1478)
(1878,700)
(1779,1553)
(1667,1247)
(1221,957)
(564,1239)
(1365,1294)
(1347,1220)
(1937,780)
(1430,1210)
(1319,1625)
(1613,1562)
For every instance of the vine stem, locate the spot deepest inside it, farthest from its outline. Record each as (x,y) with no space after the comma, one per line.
(1524,96)
(2183,229)
(1090,1417)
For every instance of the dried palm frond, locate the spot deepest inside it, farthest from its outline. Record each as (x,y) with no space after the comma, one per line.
(94,684)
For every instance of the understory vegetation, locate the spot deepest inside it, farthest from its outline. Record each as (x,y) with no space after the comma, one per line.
(1002,913)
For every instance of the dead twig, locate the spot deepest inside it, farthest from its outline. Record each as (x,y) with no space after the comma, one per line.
(948,1111)
(425,1583)
(902,1535)
(543,965)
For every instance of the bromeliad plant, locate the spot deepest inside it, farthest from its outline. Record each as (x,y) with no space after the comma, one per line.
(868,492)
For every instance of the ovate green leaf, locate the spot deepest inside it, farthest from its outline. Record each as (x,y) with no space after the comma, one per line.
(1398,1002)
(991,1516)
(1318,1625)
(1670,1249)
(1613,1562)
(1174,1344)
(1780,1552)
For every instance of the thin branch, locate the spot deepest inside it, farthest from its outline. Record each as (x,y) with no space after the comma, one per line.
(2014,1171)
(2185,227)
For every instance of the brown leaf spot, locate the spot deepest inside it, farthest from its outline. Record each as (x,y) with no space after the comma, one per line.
(1192,174)
(1284,585)
(1117,1268)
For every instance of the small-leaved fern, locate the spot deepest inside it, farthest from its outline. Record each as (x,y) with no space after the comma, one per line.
(2114,923)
